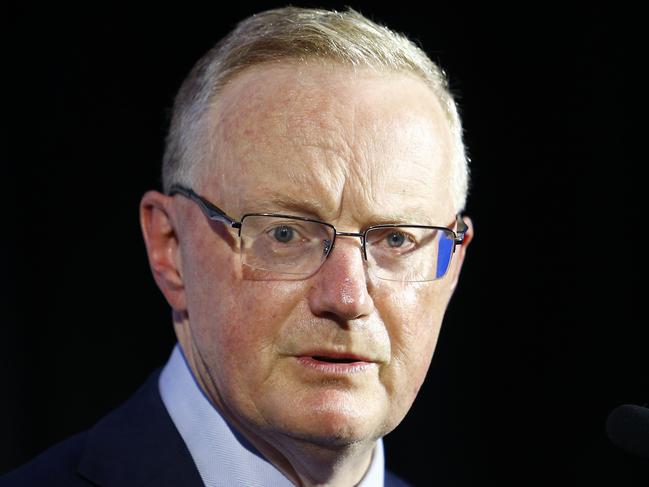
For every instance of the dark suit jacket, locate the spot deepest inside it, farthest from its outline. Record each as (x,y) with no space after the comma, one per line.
(135,445)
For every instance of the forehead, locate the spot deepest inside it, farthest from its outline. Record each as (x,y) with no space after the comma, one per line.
(340,141)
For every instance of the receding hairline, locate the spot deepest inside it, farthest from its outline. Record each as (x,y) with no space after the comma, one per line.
(294,62)
(294,35)
(290,65)
(223,109)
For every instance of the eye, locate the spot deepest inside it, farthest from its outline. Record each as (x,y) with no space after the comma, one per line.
(283,233)
(395,239)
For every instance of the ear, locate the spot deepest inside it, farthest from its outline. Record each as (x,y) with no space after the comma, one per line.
(162,246)
(460,252)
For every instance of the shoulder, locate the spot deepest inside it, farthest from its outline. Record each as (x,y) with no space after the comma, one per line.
(132,445)
(392,480)
(55,467)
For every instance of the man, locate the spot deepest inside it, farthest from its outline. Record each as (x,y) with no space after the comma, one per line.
(308,242)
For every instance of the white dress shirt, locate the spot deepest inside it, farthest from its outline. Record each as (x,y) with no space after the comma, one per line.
(222,456)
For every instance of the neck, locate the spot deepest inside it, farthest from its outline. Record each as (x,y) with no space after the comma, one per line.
(309,464)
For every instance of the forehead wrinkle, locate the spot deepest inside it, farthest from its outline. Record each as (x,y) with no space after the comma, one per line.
(309,181)
(323,184)
(411,195)
(283,203)
(299,125)
(326,146)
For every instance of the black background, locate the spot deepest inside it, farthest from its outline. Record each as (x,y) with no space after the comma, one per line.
(545,334)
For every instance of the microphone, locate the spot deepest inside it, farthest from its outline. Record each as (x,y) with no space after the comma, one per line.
(628,428)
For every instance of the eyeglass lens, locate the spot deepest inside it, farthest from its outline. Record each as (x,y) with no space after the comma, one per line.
(297,248)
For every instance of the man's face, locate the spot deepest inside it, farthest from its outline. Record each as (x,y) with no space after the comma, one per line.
(350,148)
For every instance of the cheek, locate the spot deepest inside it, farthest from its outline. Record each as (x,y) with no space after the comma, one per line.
(242,343)
(413,315)
(235,320)
(254,311)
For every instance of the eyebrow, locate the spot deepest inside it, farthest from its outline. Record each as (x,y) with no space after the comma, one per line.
(300,206)
(315,209)
(407,216)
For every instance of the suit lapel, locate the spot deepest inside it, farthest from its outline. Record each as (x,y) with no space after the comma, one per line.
(137,445)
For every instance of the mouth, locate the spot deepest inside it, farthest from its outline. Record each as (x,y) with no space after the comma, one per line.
(336,364)
(336,360)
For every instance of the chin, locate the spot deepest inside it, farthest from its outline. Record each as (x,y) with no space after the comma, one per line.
(334,424)
(334,436)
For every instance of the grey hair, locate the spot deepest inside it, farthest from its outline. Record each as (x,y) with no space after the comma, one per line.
(299,34)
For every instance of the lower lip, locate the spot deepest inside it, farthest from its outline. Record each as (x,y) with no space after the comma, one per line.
(335,367)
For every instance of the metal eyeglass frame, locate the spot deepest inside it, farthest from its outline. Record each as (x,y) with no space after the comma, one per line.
(214,213)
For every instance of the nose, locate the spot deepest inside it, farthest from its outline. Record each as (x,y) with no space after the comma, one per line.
(340,286)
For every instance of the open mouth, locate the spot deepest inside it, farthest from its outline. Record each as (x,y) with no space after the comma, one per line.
(335,360)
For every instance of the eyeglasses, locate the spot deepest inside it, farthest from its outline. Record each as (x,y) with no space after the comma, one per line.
(292,247)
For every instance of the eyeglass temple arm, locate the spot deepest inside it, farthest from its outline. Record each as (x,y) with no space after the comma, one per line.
(461,230)
(212,212)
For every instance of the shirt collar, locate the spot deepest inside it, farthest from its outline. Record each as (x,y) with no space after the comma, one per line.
(222,456)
